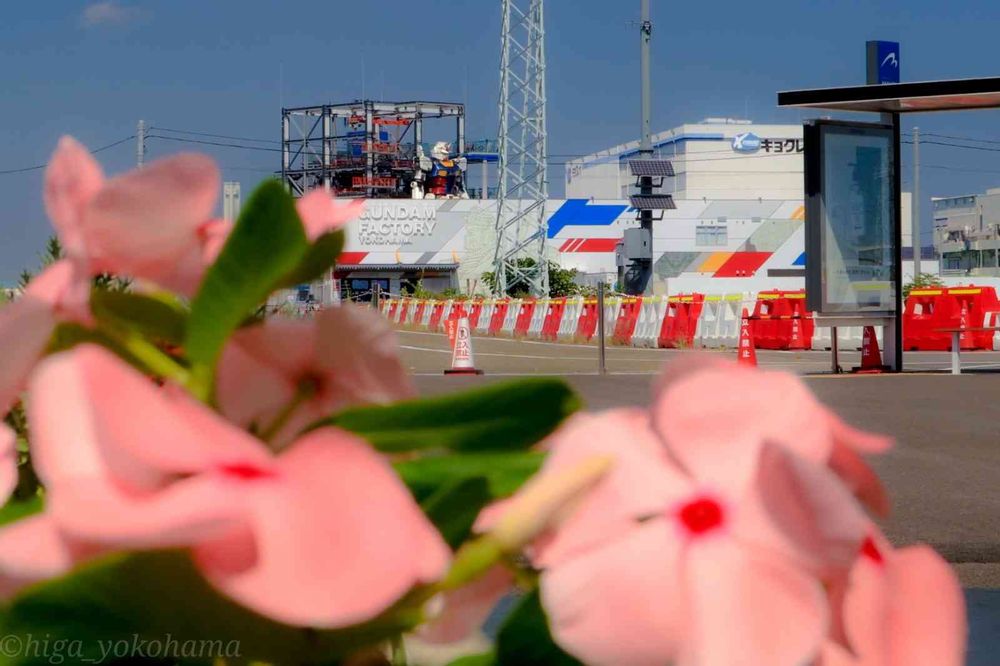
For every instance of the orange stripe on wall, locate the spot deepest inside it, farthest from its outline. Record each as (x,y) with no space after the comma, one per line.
(800,213)
(714,262)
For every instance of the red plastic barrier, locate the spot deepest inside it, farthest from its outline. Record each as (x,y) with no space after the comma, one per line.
(586,326)
(418,315)
(553,317)
(474,312)
(499,314)
(780,320)
(393,305)
(524,318)
(928,310)
(404,308)
(436,313)
(628,317)
(681,321)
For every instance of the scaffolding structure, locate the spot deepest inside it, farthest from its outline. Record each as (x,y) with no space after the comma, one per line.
(363,148)
(521,227)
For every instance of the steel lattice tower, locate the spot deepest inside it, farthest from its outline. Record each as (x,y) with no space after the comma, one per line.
(523,183)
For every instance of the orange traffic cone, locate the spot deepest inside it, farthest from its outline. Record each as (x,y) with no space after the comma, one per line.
(871,356)
(797,341)
(461,355)
(747,355)
(965,339)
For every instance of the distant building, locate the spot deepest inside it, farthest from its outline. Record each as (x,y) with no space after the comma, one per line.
(967,233)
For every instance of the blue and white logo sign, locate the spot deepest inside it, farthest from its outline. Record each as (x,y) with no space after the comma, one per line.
(888,62)
(748,142)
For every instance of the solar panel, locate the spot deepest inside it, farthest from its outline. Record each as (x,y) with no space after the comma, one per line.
(655,168)
(652,202)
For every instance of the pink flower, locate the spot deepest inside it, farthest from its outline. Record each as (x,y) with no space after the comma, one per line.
(712,564)
(59,293)
(344,355)
(321,213)
(900,607)
(8,463)
(149,223)
(707,403)
(464,610)
(323,535)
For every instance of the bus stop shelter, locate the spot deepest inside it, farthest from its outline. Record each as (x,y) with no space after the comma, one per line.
(891,101)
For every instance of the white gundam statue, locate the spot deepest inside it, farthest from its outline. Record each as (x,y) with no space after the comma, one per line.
(439,176)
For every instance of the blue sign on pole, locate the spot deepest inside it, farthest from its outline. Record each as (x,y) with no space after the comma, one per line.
(883,62)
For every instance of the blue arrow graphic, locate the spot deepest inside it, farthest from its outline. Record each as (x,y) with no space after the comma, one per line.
(579,212)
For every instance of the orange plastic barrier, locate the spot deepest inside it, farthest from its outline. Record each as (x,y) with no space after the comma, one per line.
(474,312)
(418,315)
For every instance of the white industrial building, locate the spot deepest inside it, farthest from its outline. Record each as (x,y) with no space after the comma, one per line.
(715,159)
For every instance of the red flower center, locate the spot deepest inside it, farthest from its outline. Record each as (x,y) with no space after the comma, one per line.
(870,550)
(245,472)
(701,515)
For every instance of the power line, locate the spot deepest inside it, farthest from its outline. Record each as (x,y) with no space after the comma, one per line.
(93,152)
(214,136)
(213,143)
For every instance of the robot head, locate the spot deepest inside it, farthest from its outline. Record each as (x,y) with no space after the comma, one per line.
(441,150)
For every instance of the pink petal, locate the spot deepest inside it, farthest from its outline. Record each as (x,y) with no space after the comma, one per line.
(745,609)
(466,609)
(929,620)
(140,224)
(859,478)
(26,325)
(261,368)
(906,609)
(703,414)
(858,440)
(72,179)
(213,235)
(337,536)
(642,482)
(801,509)
(620,604)
(93,416)
(8,462)
(31,550)
(321,213)
(359,351)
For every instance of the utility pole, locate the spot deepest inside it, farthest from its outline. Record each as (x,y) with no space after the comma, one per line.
(639,274)
(140,143)
(915,204)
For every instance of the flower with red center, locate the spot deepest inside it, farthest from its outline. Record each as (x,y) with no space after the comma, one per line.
(691,556)
(323,535)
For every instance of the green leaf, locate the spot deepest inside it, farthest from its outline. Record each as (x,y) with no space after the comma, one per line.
(525,640)
(16,510)
(318,258)
(504,471)
(484,659)
(68,335)
(502,416)
(454,508)
(160,597)
(159,319)
(267,244)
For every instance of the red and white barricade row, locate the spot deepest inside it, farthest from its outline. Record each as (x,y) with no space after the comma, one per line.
(681,320)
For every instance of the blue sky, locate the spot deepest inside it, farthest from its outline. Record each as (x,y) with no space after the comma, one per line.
(92,69)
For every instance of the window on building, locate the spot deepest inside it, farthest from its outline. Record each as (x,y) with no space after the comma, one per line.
(710,235)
